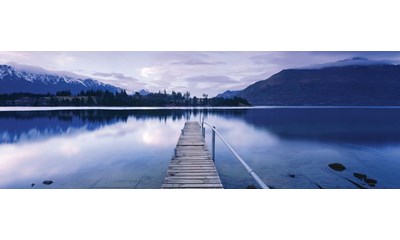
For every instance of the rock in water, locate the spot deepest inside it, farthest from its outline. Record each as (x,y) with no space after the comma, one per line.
(360,176)
(292,175)
(251,187)
(337,166)
(32,185)
(370,181)
(47,182)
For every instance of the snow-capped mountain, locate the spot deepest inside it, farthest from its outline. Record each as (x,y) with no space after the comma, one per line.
(14,79)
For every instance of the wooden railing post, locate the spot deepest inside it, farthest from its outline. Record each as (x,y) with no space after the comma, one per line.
(213,144)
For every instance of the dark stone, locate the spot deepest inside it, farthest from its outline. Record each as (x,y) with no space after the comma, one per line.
(251,187)
(292,175)
(371,182)
(360,176)
(32,185)
(47,182)
(337,166)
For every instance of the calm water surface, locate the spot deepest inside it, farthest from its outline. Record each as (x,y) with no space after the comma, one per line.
(131,148)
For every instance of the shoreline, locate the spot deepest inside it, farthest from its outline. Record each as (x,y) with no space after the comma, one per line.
(31,108)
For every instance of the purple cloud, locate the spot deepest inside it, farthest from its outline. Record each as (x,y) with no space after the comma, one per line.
(197,62)
(211,79)
(115,75)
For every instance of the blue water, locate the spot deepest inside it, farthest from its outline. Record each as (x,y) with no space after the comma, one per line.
(131,148)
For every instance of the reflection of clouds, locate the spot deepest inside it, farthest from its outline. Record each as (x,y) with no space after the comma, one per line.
(69,149)
(11,155)
(150,137)
(241,135)
(143,132)
(67,154)
(158,137)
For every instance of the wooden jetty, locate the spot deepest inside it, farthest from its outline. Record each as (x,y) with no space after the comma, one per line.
(192,166)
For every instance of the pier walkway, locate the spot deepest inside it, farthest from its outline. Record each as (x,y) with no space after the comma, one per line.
(192,165)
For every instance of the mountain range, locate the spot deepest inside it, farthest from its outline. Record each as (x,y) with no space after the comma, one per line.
(349,82)
(356,81)
(40,81)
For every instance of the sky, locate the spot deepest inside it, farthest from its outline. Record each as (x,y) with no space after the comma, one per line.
(198,72)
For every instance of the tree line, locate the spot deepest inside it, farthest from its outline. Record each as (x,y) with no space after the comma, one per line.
(120,98)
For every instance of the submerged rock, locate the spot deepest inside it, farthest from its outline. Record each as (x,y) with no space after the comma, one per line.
(32,185)
(355,184)
(47,182)
(360,176)
(337,166)
(371,182)
(292,175)
(251,187)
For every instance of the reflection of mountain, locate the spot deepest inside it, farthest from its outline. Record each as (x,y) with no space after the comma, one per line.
(352,125)
(17,126)
(344,125)
(28,125)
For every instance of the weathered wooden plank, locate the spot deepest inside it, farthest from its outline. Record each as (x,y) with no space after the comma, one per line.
(204,172)
(192,163)
(194,152)
(203,146)
(175,162)
(194,181)
(182,144)
(200,147)
(190,174)
(192,140)
(192,160)
(209,164)
(202,150)
(189,167)
(192,157)
(192,185)
(192,177)
(189,160)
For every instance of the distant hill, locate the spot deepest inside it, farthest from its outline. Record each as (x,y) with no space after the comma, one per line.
(354,81)
(14,80)
(144,92)
(228,94)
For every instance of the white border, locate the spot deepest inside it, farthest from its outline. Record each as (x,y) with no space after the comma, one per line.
(198,25)
(182,25)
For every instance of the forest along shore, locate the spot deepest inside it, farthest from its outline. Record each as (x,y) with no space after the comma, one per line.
(121,98)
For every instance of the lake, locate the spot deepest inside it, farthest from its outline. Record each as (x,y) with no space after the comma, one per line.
(288,147)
